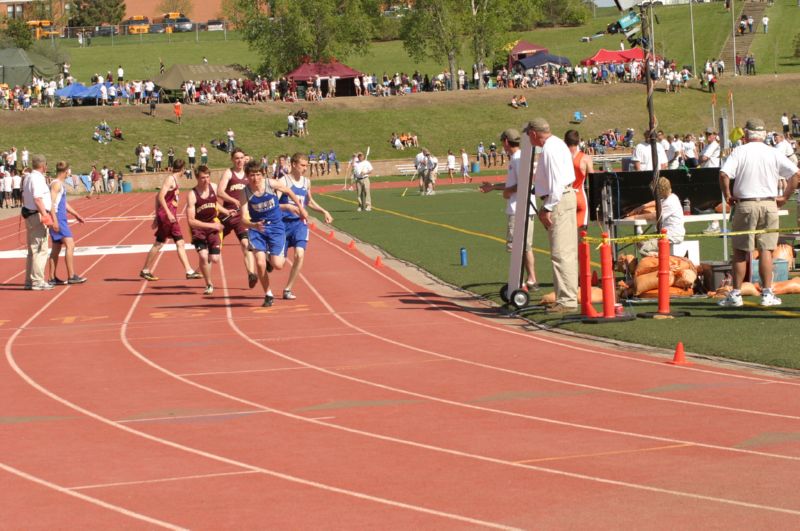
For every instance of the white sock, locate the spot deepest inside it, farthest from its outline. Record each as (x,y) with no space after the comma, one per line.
(269,293)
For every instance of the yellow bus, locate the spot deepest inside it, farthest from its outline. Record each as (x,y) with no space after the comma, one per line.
(43,29)
(137,24)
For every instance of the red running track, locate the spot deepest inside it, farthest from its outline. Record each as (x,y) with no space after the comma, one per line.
(366,402)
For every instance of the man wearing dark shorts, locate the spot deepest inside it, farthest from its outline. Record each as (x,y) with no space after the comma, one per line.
(229,191)
(202,211)
(166,225)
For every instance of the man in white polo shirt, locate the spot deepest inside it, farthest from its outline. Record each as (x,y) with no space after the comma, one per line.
(709,158)
(643,156)
(755,169)
(36,203)
(553,183)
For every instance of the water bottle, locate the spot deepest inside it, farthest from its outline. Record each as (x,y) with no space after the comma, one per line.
(463,257)
(687,207)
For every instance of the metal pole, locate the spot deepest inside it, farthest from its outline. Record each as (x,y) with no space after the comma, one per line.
(694,57)
(646,11)
(733,36)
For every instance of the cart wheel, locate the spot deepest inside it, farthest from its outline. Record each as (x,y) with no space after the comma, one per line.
(504,294)
(520,298)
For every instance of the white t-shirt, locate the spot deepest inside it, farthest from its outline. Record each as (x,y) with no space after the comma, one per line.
(755,169)
(433,164)
(8,182)
(712,152)
(36,186)
(464,160)
(554,171)
(644,155)
(784,120)
(451,162)
(362,169)
(690,149)
(419,161)
(16,181)
(675,149)
(512,178)
(190,152)
(785,148)
(672,218)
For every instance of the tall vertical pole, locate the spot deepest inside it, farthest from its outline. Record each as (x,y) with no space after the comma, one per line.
(650,84)
(694,57)
(733,36)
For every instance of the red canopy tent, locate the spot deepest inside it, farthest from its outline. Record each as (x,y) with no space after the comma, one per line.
(343,73)
(524,49)
(604,56)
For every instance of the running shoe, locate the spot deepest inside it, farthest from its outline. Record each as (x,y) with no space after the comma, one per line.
(734,301)
(209,290)
(252,280)
(288,295)
(769,299)
(368,209)
(42,287)
(75,279)
(147,275)
(268,300)
(532,286)
(194,275)
(55,281)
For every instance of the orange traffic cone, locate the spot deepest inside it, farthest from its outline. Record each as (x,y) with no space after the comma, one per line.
(595,281)
(680,357)
(351,245)
(330,235)
(378,261)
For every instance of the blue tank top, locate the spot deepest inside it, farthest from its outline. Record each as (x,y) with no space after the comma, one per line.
(61,207)
(300,191)
(264,207)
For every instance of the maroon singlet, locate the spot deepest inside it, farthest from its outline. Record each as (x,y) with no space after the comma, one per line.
(234,188)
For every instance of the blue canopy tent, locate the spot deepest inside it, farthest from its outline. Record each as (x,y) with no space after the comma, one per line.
(74,90)
(94,91)
(540,59)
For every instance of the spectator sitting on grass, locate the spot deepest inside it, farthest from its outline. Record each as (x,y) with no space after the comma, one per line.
(396,142)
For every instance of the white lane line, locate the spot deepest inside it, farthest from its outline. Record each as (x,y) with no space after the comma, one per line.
(99,250)
(198,416)
(90,499)
(538,338)
(163,480)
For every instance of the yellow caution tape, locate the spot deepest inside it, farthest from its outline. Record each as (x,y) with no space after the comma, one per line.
(645,237)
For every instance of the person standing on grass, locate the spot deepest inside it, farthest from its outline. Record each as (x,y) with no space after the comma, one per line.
(553,183)
(203,155)
(166,225)
(361,170)
(263,218)
(295,227)
(178,110)
(465,166)
(191,153)
(60,231)
(511,139)
(229,192)
(202,213)
(755,169)
(36,205)
(451,165)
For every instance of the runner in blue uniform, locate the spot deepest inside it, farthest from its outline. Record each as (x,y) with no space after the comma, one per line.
(60,231)
(264,219)
(297,228)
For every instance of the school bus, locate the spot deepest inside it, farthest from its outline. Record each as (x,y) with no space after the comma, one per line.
(43,29)
(137,24)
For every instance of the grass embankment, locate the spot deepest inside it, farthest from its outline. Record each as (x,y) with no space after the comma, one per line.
(774,52)
(442,120)
(462,217)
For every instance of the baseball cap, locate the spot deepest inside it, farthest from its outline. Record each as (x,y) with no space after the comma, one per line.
(710,131)
(755,124)
(537,124)
(510,134)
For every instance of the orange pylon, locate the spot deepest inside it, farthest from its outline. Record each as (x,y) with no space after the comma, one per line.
(680,356)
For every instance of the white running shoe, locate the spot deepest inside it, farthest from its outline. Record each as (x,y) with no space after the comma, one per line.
(713,228)
(769,299)
(732,300)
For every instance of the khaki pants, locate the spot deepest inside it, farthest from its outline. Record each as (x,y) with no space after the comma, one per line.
(38,251)
(362,192)
(563,236)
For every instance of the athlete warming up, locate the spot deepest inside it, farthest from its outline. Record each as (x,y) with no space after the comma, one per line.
(297,228)
(264,219)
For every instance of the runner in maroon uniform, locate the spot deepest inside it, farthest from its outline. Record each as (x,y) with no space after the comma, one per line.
(202,212)
(167,226)
(229,191)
